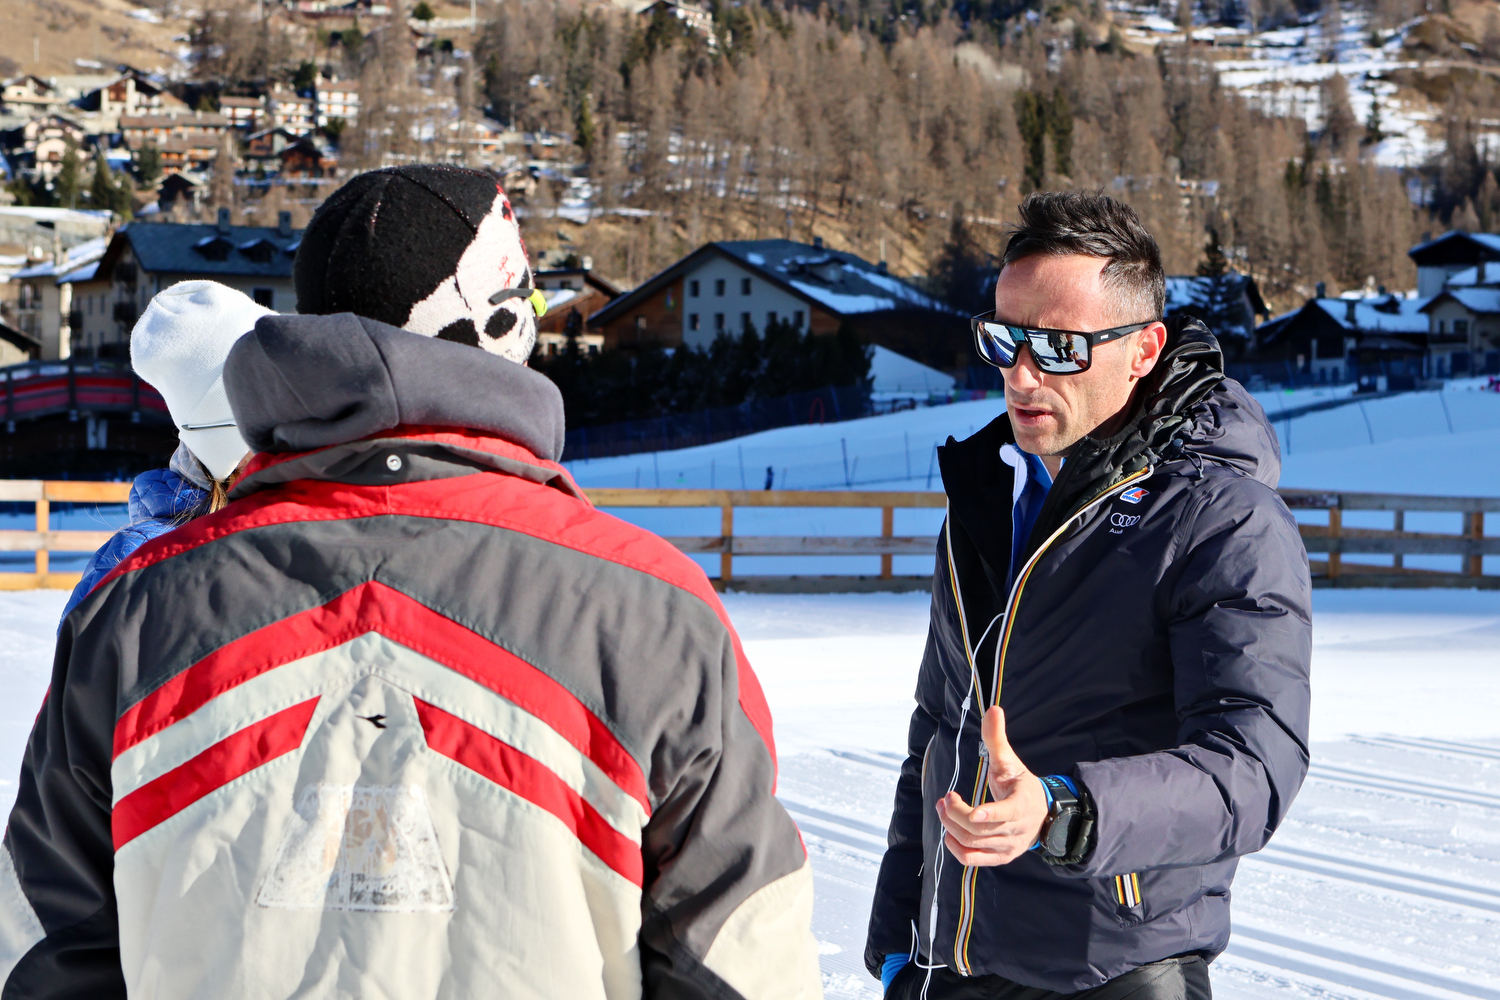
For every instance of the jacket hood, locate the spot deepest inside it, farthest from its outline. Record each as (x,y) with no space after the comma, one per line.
(1191,408)
(300,383)
(162,493)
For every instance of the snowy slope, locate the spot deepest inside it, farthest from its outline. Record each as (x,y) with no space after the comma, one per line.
(1383,883)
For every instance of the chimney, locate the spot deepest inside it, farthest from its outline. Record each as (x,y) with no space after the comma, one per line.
(882,268)
(284,223)
(1349,311)
(1322,290)
(224,221)
(817,242)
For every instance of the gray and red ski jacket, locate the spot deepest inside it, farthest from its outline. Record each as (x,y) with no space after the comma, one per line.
(410,719)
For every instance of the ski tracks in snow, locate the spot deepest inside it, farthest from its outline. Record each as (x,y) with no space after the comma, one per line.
(1384,882)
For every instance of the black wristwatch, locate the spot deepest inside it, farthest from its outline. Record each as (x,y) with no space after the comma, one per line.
(1067,835)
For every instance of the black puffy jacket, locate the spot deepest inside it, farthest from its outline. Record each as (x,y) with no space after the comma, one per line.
(1154,646)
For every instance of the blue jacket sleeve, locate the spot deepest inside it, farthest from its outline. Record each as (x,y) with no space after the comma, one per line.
(110,555)
(1239,628)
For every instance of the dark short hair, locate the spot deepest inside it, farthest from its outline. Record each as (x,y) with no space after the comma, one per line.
(1092,224)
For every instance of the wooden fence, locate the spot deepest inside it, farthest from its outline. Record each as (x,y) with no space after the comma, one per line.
(1332,541)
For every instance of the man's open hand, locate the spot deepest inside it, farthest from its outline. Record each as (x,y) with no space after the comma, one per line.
(997,832)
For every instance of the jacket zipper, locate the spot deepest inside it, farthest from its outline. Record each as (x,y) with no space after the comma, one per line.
(971,873)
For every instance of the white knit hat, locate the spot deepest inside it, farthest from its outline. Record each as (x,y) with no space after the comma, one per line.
(179,346)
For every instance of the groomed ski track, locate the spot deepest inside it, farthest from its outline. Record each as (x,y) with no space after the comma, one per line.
(1411,902)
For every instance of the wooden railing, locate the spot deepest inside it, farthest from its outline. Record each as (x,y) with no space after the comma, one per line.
(728,545)
(42,540)
(1333,541)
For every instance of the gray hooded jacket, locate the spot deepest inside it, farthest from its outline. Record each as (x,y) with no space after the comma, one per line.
(1154,646)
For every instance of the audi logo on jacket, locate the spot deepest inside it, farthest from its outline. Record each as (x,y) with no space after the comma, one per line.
(408,719)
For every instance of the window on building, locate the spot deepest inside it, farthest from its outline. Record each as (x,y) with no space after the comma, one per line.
(770,319)
(744,286)
(719,322)
(797,319)
(264,297)
(744,321)
(1442,326)
(692,321)
(718,286)
(693,288)
(640,324)
(1461,326)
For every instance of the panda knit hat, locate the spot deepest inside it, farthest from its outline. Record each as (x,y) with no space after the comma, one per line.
(179,345)
(430,248)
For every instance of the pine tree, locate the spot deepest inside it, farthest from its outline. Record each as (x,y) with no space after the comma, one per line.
(102,189)
(1214,263)
(148,165)
(67,185)
(1374,131)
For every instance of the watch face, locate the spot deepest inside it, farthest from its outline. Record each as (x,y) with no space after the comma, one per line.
(1060,833)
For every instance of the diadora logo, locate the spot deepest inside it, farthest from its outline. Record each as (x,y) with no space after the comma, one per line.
(1134,495)
(1124,520)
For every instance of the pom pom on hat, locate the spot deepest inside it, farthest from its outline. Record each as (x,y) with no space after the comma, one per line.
(427,248)
(179,345)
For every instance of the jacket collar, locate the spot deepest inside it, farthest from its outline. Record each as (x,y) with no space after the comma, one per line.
(978,484)
(301,383)
(336,397)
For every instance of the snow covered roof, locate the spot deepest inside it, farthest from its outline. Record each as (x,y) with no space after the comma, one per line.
(894,372)
(1476,300)
(1456,247)
(86,253)
(835,281)
(1470,277)
(842,282)
(1386,313)
(55,214)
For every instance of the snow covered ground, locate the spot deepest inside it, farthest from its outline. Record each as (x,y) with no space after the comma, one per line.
(1383,883)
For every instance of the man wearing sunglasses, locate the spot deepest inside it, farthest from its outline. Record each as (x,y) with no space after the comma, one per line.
(1113,704)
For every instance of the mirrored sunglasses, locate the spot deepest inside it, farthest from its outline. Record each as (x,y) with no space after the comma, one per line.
(1056,352)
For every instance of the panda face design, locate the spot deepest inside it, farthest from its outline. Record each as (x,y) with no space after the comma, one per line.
(459,308)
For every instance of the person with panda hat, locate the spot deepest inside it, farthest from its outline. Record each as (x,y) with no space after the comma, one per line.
(409,717)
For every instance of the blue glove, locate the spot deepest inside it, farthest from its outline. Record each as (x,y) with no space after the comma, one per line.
(894,963)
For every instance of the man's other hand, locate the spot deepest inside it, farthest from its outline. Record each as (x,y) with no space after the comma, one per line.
(996,832)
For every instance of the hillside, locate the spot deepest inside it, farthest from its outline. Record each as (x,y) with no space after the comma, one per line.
(76,37)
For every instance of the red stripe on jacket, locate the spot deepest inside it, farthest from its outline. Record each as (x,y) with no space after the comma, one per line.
(374,607)
(542,512)
(232,757)
(511,769)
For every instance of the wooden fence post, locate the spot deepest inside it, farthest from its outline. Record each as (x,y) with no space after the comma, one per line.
(887,530)
(1476,530)
(43,523)
(726,557)
(1335,531)
(1398,525)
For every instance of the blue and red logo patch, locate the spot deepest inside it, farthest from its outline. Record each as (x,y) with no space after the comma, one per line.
(1134,495)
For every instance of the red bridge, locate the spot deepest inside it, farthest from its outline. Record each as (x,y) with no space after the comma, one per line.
(84,418)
